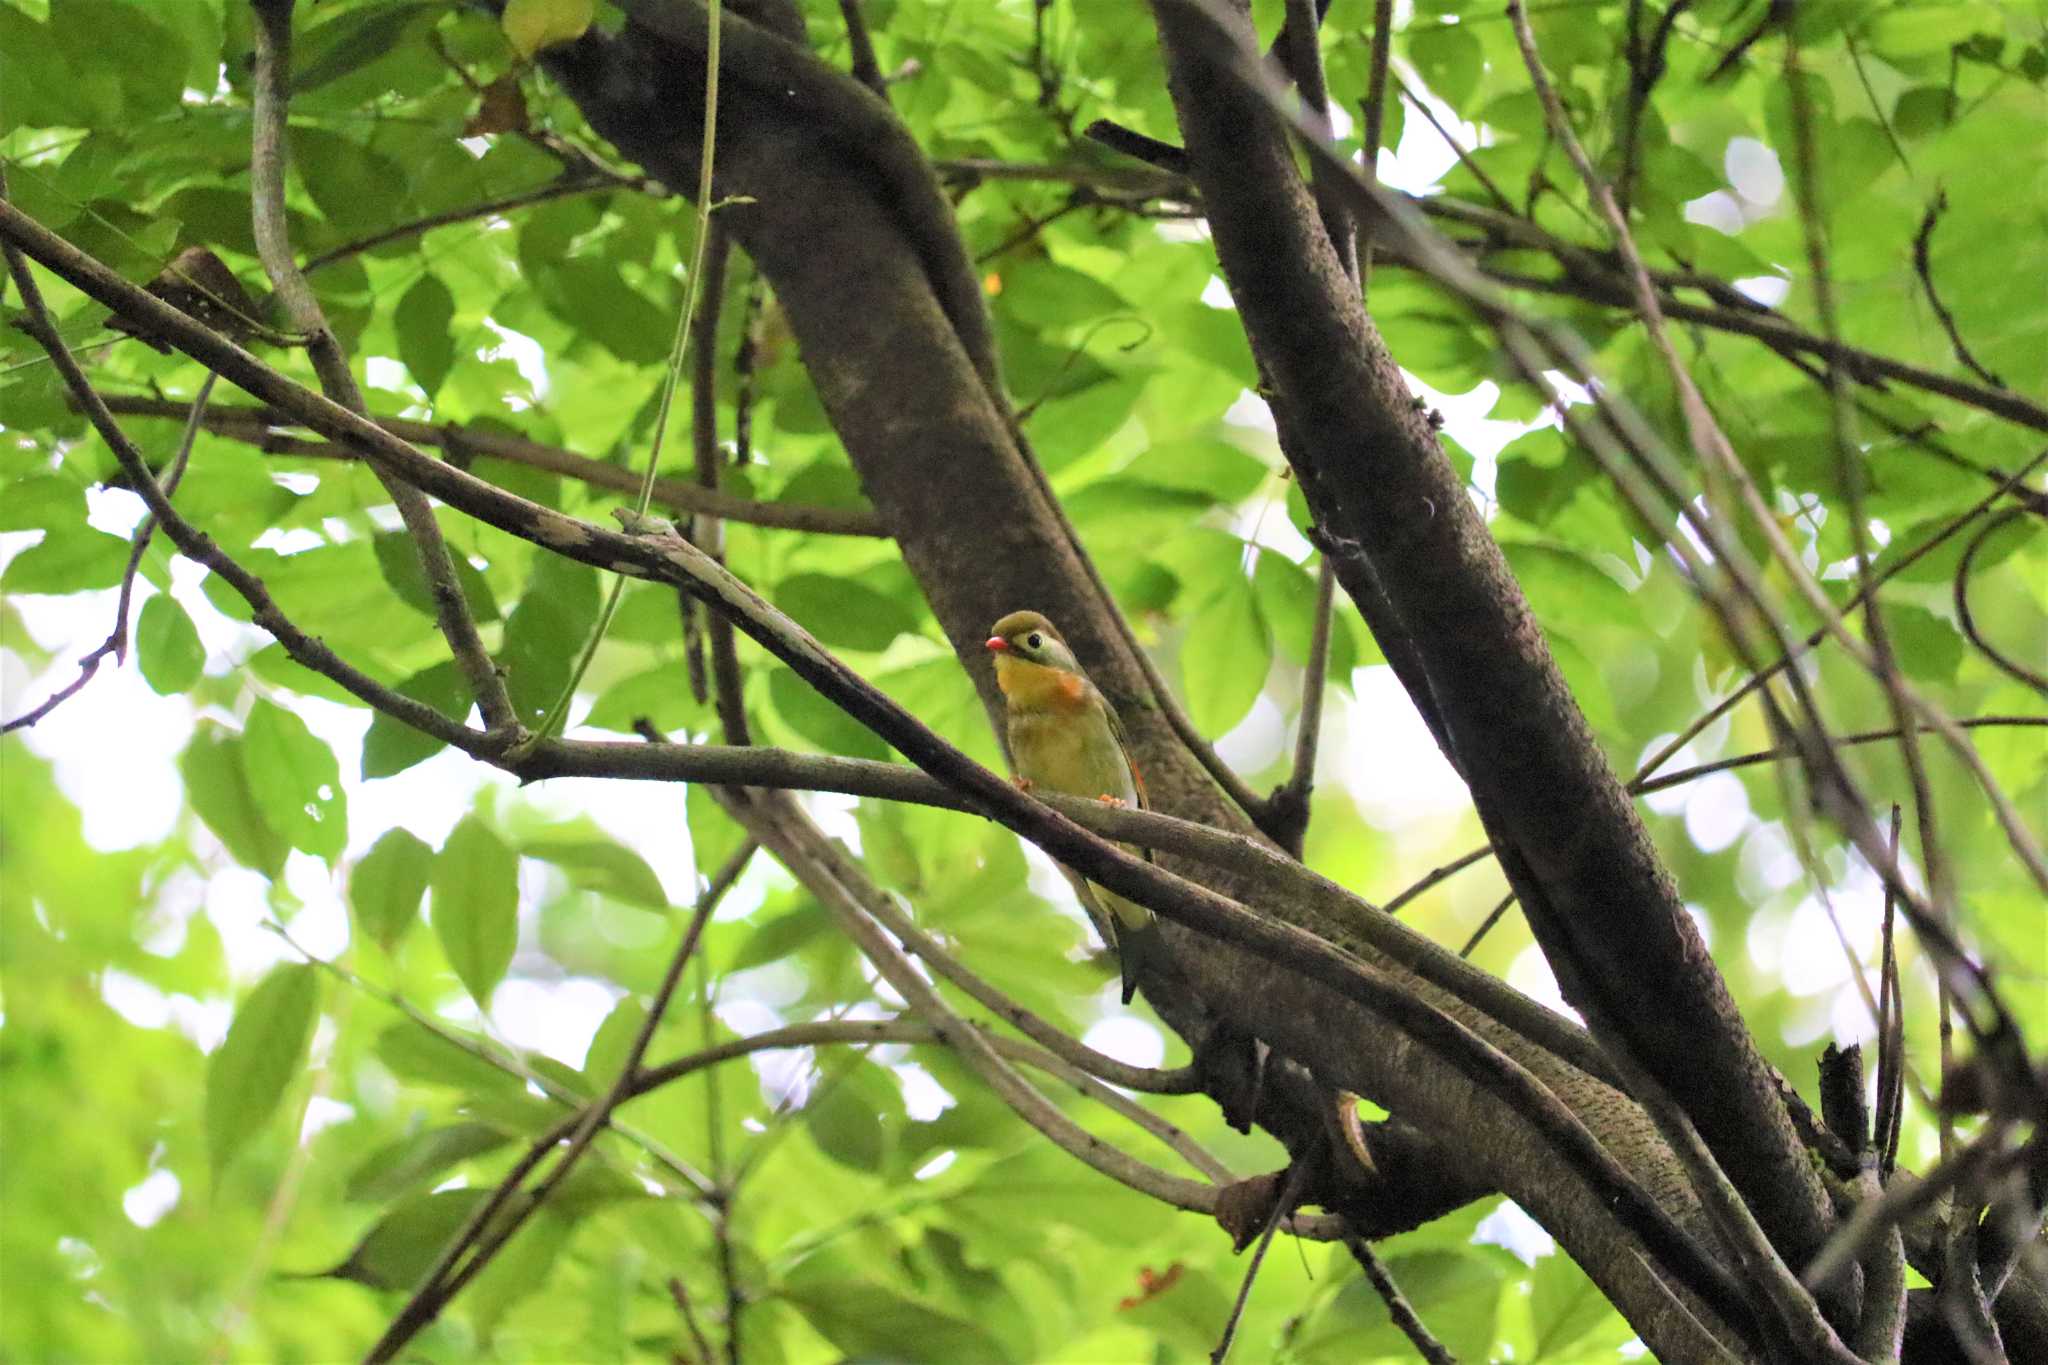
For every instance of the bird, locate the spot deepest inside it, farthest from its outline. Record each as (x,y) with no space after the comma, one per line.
(1065,737)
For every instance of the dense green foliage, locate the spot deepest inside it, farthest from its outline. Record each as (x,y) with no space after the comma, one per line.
(216,1150)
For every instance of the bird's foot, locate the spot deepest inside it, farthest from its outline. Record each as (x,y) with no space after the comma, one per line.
(1116,801)
(1023,784)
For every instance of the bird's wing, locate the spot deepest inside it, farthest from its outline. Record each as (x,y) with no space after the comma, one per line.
(1123,746)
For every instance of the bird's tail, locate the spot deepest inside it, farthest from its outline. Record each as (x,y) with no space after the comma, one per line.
(1129,929)
(1137,943)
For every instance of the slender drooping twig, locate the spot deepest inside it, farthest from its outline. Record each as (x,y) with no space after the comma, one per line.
(116,643)
(1399,1309)
(2005,663)
(267,162)
(1922,242)
(1284,1200)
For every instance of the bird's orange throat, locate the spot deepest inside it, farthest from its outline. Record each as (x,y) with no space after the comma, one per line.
(1033,686)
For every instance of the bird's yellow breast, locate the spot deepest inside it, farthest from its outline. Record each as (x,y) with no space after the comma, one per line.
(1034,687)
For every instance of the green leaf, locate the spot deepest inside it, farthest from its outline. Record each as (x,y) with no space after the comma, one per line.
(167,646)
(426,343)
(69,559)
(1286,594)
(391,746)
(1215,469)
(218,787)
(597,863)
(779,937)
(403,1246)
(350,41)
(866,1320)
(715,837)
(594,299)
(385,887)
(476,905)
(353,185)
(606,1058)
(413,1052)
(546,631)
(1564,1307)
(1224,660)
(400,1167)
(1448,59)
(842,612)
(266,1045)
(532,26)
(820,721)
(296,781)
(1927,647)
(40,502)
(399,560)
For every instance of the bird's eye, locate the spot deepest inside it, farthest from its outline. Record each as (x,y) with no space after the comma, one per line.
(1035,641)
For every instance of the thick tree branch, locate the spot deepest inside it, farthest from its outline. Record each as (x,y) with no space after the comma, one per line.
(1375,476)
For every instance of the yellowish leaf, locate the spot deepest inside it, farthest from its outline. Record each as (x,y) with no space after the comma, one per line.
(532,26)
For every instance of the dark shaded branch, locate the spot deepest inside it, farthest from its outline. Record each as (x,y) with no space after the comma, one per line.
(865,70)
(1374,475)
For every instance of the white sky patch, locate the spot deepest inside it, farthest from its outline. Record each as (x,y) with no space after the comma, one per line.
(937,1166)
(147,1201)
(525,353)
(924,1099)
(1754,171)
(1255,742)
(1716,811)
(1422,157)
(1510,1227)
(238,903)
(558,1018)
(1530,974)
(1398,775)
(322,1112)
(1128,1039)
(1768,290)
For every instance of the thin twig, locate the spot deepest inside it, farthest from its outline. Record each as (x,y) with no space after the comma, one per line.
(1284,1200)
(2006,663)
(567,184)
(481,1236)
(1760,677)
(864,67)
(689,1316)
(1493,917)
(1399,1309)
(116,643)
(1925,270)
(265,428)
(268,159)
(1891,1057)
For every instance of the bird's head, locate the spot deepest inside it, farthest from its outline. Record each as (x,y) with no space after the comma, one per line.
(1030,638)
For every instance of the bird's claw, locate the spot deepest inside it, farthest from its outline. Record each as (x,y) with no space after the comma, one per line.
(1116,801)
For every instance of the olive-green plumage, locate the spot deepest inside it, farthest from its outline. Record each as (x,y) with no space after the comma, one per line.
(1065,737)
